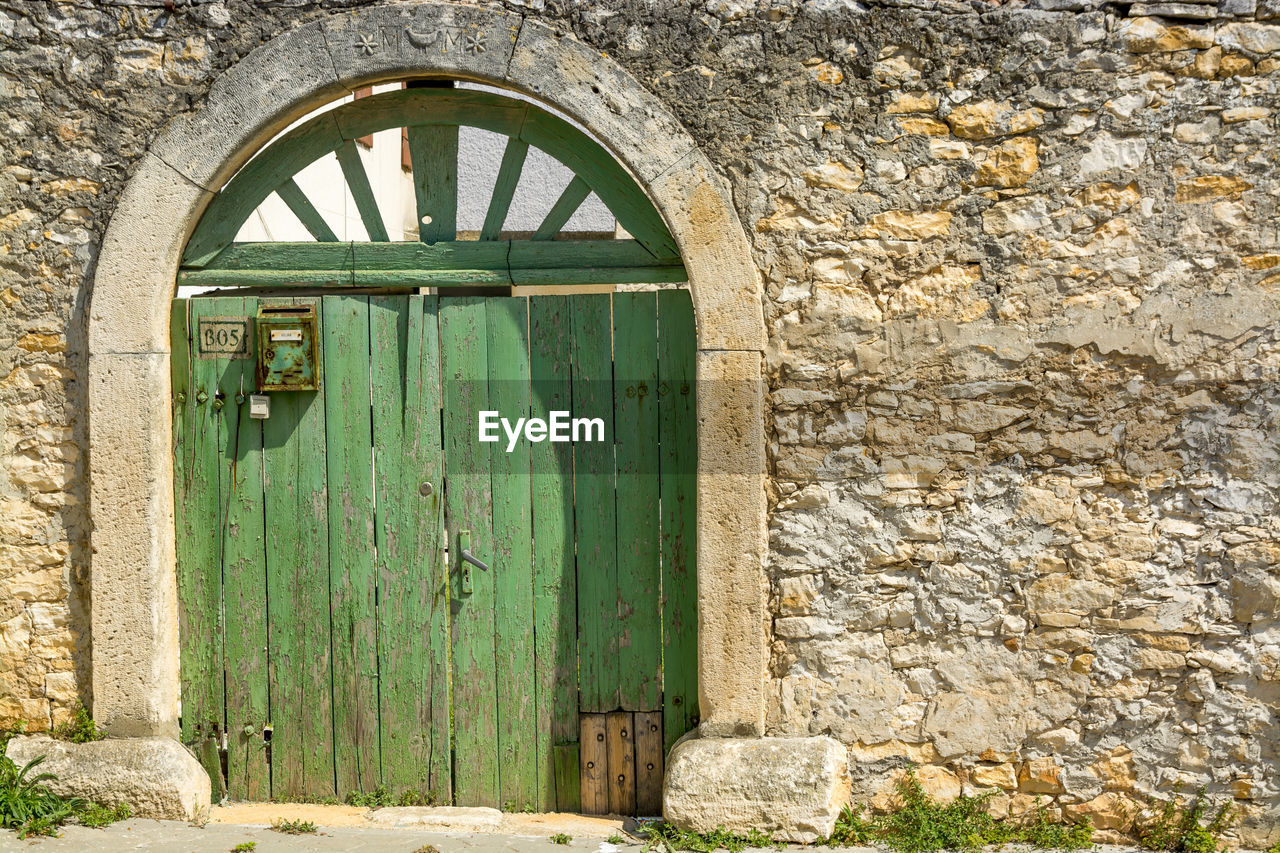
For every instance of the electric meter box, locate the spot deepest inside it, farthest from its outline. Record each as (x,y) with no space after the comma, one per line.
(288,348)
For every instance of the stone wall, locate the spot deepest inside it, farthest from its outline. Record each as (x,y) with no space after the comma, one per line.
(1022,272)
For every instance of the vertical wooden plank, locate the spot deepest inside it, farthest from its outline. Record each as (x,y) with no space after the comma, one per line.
(568,777)
(297,549)
(594,518)
(635,407)
(469,506)
(211,760)
(594,769)
(677,346)
(512,566)
(649,752)
(352,583)
(621,747)
(244,573)
(504,188)
(433,150)
(413,650)
(196,509)
(555,586)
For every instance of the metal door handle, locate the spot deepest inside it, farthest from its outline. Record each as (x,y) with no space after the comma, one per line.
(470,558)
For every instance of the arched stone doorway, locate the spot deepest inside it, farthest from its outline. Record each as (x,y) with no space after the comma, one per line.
(134,612)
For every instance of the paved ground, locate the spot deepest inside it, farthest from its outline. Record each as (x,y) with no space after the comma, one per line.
(341,828)
(157,835)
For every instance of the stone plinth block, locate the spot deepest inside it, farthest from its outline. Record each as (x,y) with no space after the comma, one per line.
(792,788)
(157,777)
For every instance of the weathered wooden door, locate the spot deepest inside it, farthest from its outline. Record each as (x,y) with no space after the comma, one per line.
(333,638)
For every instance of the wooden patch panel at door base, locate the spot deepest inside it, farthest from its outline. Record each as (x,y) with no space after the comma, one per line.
(622,763)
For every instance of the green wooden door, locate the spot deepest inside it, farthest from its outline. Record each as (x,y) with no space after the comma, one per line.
(333,639)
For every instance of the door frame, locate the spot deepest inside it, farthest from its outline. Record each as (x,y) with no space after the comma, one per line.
(134,612)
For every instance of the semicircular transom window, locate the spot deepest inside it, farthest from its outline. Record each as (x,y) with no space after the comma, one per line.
(482,235)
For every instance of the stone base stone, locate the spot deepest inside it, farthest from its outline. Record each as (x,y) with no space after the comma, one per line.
(157,777)
(439,818)
(792,788)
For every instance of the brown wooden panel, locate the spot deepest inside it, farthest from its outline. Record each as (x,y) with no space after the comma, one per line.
(620,740)
(648,738)
(594,756)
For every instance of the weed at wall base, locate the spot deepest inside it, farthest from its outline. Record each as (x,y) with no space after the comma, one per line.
(1180,826)
(921,824)
(30,807)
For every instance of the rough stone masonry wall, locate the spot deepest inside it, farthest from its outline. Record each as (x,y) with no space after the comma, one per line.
(1022,275)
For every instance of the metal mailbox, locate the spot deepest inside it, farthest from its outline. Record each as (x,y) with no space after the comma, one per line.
(288,348)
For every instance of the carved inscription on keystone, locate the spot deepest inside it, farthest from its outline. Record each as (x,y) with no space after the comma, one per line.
(440,38)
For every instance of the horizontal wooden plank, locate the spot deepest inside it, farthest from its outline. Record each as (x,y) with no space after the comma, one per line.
(444,255)
(429,278)
(447,263)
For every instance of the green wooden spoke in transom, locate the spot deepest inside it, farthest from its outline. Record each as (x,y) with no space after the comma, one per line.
(432,117)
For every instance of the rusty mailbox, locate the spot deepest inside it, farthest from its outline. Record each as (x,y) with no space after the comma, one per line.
(288,348)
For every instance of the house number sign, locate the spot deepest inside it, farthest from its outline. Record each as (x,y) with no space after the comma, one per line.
(224,337)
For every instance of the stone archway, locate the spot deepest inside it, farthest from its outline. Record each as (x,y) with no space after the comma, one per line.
(134,588)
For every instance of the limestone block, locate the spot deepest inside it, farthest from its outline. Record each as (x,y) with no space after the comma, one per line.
(907,225)
(134,587)
(603,97)
(791,788)
(1208,187)
(986,119)
(699,210)
(408,39)
(1107,152)
(836,176)
(128,311)
(157,777)
(1009,164)
(1040,776)
(1106,811)
(1255,38)
(256,99)
(998,776)
(1015,216)
(1148,35)
(731,544)
(1256,596)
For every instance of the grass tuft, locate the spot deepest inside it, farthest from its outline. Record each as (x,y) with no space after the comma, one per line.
(95,816)
(664,835)
(381,797)
(293,827)
(561,838)
(79,729)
